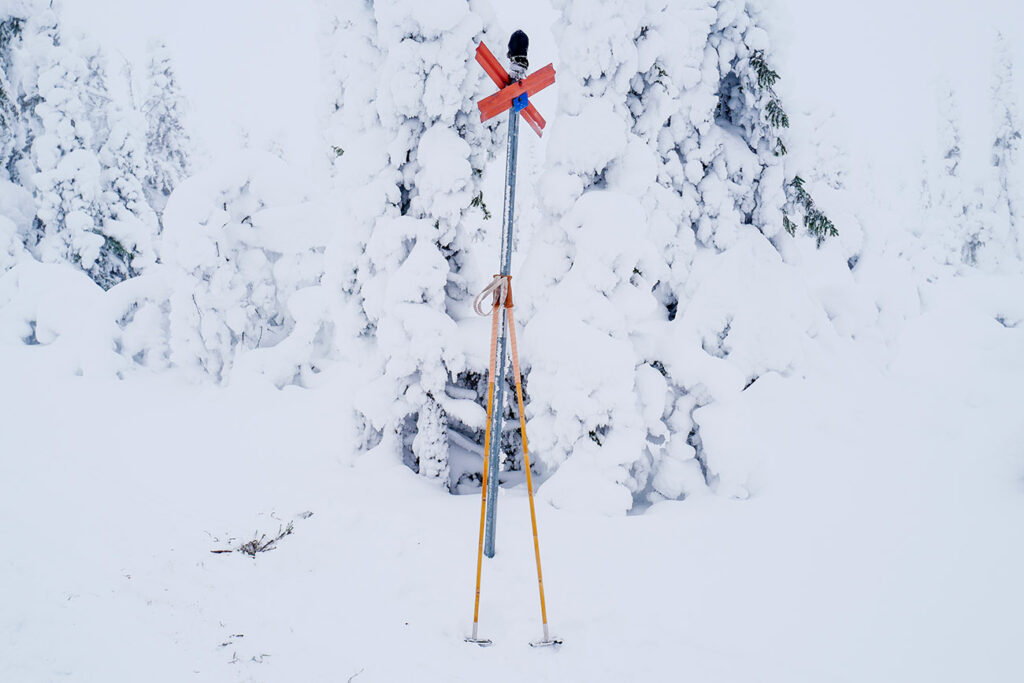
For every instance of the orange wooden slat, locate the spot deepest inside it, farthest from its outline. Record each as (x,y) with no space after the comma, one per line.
(491,65)
(534,118)
(539,79)
(500,101)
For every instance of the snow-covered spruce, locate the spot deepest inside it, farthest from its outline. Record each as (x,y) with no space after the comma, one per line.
(667,194)
(971,220)
(168,144)
(947,233)
(10,30)
(1005,243)
(74,148)
(407,145)
(15,219)
(240,277)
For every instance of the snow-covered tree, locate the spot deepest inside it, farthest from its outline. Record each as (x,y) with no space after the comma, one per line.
(76,157)
(1006,237)
(236,267)
(10,29)
(978,218)
(407,143)
(62,168)
(122,155)
(168,145)
(949,229)
(666,193)
(11,234)
(950,140)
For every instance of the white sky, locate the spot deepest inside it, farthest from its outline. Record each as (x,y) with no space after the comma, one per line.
(254,64)
(244,64)
(879,64)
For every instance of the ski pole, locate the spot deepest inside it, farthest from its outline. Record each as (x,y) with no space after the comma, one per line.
(526,464)
(483,487)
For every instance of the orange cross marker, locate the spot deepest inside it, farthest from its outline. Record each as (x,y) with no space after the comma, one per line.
(502,100)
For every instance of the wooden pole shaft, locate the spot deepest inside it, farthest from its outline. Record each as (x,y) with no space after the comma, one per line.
(487,443)
(526,453)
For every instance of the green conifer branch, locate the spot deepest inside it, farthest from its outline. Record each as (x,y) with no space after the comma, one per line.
(478,202)
(817,223)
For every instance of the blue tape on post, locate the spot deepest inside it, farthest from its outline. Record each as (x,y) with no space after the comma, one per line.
(520,103)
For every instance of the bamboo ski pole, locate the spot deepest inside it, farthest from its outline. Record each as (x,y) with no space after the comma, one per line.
(526,463)
(483,487)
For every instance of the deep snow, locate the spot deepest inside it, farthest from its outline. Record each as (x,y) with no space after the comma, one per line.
(881,539)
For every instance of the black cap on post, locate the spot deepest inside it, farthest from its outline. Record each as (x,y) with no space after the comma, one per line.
(518,44)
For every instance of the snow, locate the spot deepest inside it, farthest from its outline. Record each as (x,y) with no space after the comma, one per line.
(876,538)
(592,138)
(756,458)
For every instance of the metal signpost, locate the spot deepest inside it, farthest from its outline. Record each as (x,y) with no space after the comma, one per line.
(515,89)
(514,95)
